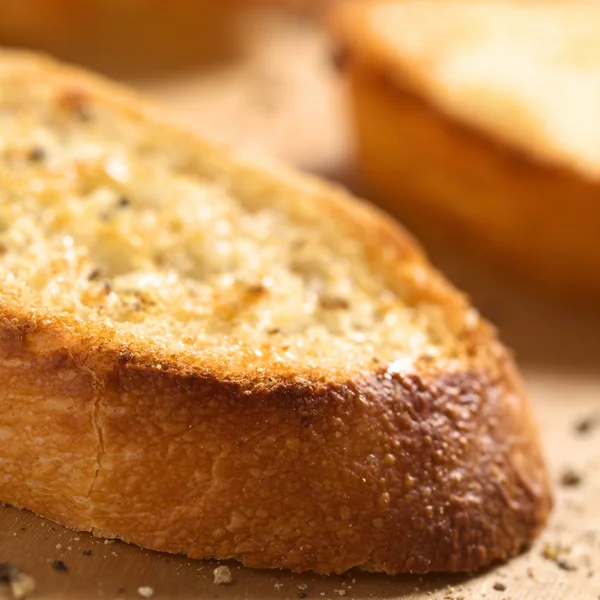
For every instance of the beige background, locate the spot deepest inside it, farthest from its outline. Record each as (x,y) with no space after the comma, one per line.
(284,97)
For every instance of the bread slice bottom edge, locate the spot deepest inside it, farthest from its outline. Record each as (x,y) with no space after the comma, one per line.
(389,472)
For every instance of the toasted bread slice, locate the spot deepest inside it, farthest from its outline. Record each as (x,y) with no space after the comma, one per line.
(206,356)
(480,118)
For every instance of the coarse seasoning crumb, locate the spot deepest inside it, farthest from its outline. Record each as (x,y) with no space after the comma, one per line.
(145,591)
(549,552)
(587,424)
(59,565)
(553,553)
(571,478)
(222,575)
(565,565)
(20,584)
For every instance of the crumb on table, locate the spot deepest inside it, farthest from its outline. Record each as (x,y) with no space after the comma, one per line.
(222,575)
(145,591)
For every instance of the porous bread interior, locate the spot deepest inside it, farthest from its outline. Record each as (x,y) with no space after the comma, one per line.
(103,219)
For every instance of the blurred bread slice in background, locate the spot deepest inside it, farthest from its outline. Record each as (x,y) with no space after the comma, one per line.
(124,37)
(132,33)
(479,123)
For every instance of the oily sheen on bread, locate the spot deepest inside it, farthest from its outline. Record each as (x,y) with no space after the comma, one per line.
(477,121)
(206,356)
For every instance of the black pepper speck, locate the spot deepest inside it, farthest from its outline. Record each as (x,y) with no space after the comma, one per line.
(587,424)
(94,274)
(59,565)
(565,565)
(36,154)
(8,572)
(571,478)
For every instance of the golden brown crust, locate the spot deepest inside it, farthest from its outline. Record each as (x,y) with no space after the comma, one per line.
(318,471)
(413,472)
(49,441)
(451,177)
(418,470)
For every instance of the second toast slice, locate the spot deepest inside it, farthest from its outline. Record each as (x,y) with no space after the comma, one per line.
(477,123)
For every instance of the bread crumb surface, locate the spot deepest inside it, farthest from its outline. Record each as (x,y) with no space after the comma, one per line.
(116,225)
(222,575)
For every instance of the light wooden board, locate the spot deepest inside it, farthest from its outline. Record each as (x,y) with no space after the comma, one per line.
(284,98)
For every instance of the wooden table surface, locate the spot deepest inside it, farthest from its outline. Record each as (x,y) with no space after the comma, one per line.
(283,97)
